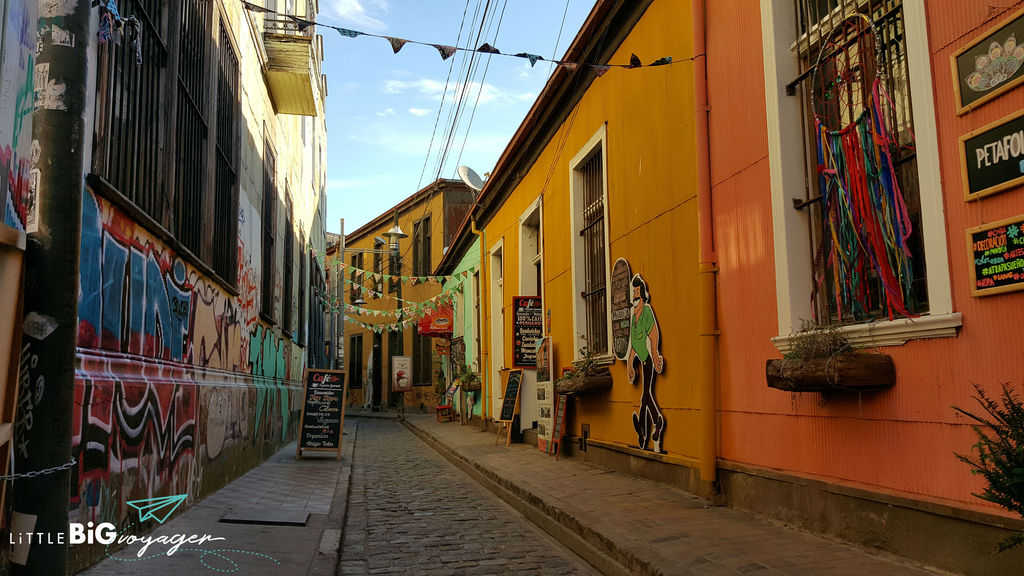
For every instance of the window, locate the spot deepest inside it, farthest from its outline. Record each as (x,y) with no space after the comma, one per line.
(355,361)
(303,282)
(225,211)
(530,270)
(421,247)
(191,126)
(287,279)
(590,246)
(269,226)
(422,359)
(792,30)
(355,283)
(395,268)
(378,268)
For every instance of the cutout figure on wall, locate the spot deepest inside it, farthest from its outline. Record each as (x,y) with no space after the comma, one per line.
(644,360)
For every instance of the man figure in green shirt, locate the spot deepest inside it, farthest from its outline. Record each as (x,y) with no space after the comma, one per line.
(644,359)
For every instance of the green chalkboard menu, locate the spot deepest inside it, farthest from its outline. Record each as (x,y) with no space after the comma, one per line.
(992,157)
(996,251)
(511,399)
(323,411)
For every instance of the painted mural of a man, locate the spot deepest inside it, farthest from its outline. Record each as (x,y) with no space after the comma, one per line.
(644,360)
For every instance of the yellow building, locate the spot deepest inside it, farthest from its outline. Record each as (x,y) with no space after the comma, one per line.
(602,169)
(378,276)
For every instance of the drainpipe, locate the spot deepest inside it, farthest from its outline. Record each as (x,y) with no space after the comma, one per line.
(484,334)
(708,269)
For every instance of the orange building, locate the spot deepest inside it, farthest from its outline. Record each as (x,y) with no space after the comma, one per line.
(877,467)
(378,277)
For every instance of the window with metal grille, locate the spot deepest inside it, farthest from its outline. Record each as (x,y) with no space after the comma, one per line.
(378,268)
(355,283)
(843,47)
(225,211)
(288,277)
(355,361)
(590,223)
(130,95)
(191,126)
(268,219)
(303,282)
(421,247)
(422,360)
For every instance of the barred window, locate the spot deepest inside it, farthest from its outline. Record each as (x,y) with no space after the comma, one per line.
(225,210)
(269,226)
(303,282)
(854,84)
(592,250)
(355,284)
(191,126)
(422,359)
(287,278)
(421,247)
(378,268)
(355,361)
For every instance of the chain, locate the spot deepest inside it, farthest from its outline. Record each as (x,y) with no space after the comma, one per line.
(44,472)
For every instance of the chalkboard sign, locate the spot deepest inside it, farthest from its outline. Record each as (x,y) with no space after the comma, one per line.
(527,328)
(990,64)
(997,256)
(511,399)
(992,157)
(621,297)
(323,411)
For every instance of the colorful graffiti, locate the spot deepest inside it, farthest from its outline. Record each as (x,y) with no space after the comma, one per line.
(173,369)
(17,101)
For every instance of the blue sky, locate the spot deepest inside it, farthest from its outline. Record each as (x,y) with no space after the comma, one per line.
(381,106)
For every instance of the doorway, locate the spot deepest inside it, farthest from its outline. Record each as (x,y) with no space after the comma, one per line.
(497,328)
(377,380)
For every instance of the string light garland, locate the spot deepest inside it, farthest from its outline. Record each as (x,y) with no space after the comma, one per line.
(446,51)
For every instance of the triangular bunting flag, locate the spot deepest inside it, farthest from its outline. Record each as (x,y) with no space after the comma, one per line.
(445,51)
(634,61)
(348,33)
(568,65)
(661,61)
(487,49)
(533,58)
(396,43)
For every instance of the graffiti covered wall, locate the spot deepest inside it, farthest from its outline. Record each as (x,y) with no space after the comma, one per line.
(179,386)
(17,102)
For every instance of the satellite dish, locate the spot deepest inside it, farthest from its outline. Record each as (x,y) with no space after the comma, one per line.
(471,178)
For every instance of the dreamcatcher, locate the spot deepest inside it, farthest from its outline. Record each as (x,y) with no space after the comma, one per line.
(865,224)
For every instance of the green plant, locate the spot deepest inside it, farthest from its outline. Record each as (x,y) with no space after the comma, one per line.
(1000,452)
(587,365)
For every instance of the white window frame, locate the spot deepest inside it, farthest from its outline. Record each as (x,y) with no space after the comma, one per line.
(535,206)
(793,266)
(579,318)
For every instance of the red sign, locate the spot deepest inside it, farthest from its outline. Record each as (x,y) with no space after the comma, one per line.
(437,323)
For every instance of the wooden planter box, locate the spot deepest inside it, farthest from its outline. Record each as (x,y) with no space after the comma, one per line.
(601,380)
(471,387)
(856,371)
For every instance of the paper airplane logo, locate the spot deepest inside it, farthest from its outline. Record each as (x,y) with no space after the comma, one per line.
(159,509)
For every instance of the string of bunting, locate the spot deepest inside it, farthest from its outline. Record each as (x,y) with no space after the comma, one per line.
(447,51)
(359,273)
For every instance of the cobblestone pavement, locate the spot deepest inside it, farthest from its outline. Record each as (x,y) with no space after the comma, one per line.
(411,511)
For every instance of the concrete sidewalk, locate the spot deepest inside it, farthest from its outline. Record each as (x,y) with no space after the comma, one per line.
(629,525)
(280,489)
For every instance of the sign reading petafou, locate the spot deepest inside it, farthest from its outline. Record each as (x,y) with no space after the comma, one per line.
(511,399)
(323,411)
(997,256)
(992,157)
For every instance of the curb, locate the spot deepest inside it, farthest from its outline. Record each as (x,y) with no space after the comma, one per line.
(328,557)
(597,550)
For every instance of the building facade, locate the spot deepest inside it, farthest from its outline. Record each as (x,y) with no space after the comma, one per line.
(200,288)
(388,280)
(462,279)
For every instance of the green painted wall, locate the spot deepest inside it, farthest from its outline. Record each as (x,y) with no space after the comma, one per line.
(464,311)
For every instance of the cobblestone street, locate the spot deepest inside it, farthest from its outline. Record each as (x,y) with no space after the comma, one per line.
(411,511)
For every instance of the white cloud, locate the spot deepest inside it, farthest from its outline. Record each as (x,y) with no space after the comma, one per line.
(354,12)
(434,88)
(419,111)
(386,112)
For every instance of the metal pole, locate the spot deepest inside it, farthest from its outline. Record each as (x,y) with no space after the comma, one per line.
(43,433)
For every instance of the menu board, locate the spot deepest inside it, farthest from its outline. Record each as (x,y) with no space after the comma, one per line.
(992,157)
(511,399)
(527,329)
(990,64)
(621,276)
(323,411)
(996,251)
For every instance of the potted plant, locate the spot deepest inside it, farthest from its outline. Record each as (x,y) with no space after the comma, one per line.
(824,360)
(588,373)
(469,380)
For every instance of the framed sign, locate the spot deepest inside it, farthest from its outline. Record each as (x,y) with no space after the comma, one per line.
(990,64)
(401,373)
(527,328)
(323,411)
(996,251)
(621,304)
(992,157)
